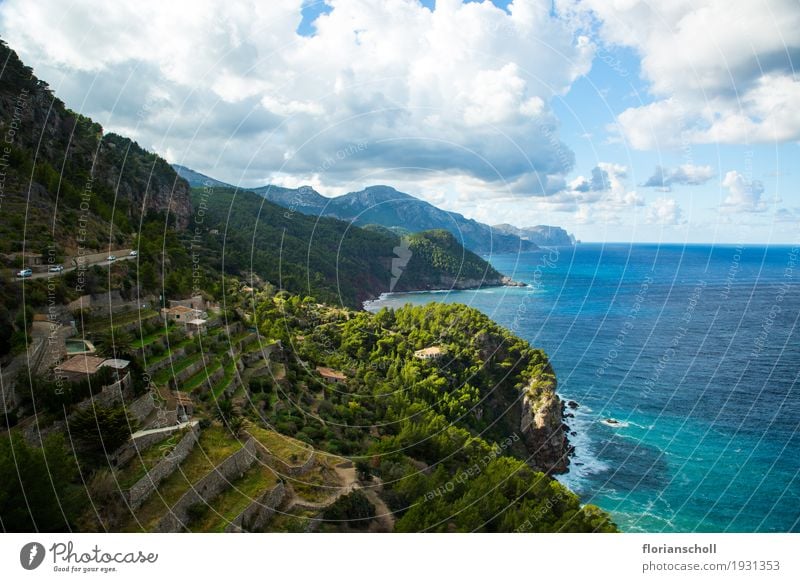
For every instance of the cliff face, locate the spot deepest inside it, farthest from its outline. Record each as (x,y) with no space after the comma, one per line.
(61,165)
(542,426)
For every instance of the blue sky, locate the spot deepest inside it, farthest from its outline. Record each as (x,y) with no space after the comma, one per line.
(619,121)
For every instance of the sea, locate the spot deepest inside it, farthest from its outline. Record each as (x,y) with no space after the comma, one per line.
(684,362)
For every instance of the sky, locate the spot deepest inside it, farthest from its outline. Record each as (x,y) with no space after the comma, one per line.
(620,120)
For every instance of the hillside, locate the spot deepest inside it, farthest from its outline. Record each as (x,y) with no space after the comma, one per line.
(289,415)
(385,206)
(88,188)
(327,258)
(198,180)
(542,235)
(212,377)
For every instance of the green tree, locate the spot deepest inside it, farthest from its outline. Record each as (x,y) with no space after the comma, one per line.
(100,430)
(39,492)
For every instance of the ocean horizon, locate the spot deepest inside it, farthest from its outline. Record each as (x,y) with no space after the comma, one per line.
(691,349)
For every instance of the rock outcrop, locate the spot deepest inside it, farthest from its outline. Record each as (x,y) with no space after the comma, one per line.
(542,426)
(57,156)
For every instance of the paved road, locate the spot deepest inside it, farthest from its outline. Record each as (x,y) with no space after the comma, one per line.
(68,269)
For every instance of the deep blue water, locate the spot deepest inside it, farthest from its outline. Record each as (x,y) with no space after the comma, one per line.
(694,349)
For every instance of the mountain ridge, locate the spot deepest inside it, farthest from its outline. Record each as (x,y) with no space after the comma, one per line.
(386,206)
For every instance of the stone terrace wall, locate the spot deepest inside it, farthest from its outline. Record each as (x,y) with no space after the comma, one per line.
(256,515)
(281,467)
(207,488)
(132,448)
(141,408)
(177,355)
(144,488)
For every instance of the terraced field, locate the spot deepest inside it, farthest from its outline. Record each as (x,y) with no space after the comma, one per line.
(228,505)
(214,446)
(146,460)
(289,450)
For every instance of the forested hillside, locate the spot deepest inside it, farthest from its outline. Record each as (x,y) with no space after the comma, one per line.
(327,258)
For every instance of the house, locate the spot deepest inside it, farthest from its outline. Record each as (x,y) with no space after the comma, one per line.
(331,376)
(83,366)
(121,370)
(197,302)
(181,313)
(429,353)
(79,367)
(195,326)
(184,406)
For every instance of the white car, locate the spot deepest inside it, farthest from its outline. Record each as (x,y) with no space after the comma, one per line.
(24,273)
(133,254)
(111,258)
(56,268)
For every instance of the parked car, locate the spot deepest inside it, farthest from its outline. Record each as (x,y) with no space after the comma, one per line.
(111,258)
(133,254)
(25,273)
(56,268)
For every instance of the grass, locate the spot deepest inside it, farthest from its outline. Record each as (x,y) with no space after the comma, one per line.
(152,337)
(318,485)
(214,446)
(295,521)
(202,376)
(230,503)
(235,339)
(96,325)
(278,371)
(164,375)
(148,459)
(153,360)
(289,450)
(219,387)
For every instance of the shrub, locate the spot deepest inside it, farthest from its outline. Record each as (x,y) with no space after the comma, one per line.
(354,509)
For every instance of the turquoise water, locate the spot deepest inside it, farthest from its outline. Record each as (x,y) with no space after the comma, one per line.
(694,349)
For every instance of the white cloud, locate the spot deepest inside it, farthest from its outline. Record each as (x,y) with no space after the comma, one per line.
(665,211)
(744,194)
(686,174)
(719,71)
(231,88)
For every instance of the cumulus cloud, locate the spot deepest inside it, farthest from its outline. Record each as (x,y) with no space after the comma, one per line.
(687,174)
(719,71)
(665,211)
(744,194)
(234,90)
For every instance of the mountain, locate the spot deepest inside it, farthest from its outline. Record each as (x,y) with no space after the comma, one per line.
(305,199)
(546,236)
(198,180)
(329,258)
(385,206)
(61,170)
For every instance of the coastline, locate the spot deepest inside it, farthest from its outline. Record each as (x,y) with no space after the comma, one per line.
(506,281)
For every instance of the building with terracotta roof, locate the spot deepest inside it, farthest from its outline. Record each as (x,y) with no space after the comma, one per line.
(332,376)
(429,353)
(182,313)
(79,367)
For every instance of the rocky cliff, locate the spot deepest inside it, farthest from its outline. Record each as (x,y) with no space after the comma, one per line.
(60,168)
(542,426)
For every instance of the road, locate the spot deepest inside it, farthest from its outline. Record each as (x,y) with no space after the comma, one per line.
(68,269)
